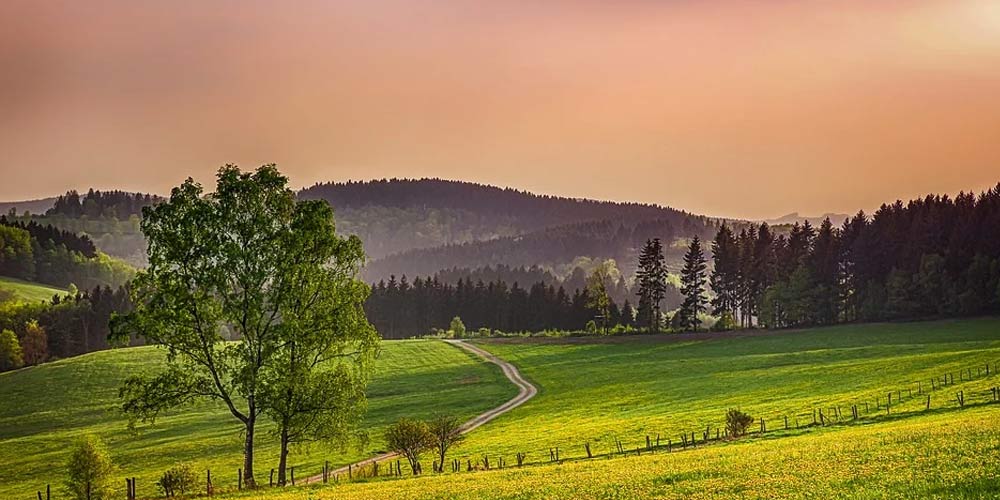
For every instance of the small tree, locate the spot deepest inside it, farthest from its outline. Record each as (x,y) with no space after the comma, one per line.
(11,356)
(457,328)
(725,322)
(35,343)
(89,469)
(445,432)
(177,480)
(737,423)
(409,438)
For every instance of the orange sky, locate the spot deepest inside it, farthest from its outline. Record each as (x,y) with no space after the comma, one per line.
(732,108)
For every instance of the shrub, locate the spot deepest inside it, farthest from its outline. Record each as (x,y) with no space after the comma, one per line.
(725,323)
(591,327)
(11,356)
(737,423)
(457,328)
(177,479)
(89,471)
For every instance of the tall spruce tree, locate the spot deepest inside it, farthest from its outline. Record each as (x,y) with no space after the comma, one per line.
(693,286)
(725,275)
(652,280)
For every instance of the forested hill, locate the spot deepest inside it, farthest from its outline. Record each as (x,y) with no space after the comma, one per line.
(556,248)
(421,226)
(400,215)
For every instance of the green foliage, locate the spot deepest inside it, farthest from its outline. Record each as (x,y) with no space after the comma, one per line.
(693,287)
(409,438)
(16,255)
(651,278)
(725,322)
(445,433)
(178,479)
(597,292)
(270,271)
(457,328)
(737,423)
(89,470)
(11,356)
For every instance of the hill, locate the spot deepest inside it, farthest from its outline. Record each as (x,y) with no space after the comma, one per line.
(447,219)
(28,291)
(46,407)
(422,226)
(38,206)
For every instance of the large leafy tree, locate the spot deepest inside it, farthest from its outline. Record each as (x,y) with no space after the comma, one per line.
(315,388)
(233,265)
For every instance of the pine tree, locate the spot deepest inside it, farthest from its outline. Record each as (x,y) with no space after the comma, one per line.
(725,275)
(693,286)
(652,280)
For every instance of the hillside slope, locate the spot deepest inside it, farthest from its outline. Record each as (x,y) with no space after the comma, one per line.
(28,291)
(45,408)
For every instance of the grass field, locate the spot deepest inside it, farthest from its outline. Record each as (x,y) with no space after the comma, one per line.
(31,292)
(596,391)
(943,454)
(45,408)
(649,385)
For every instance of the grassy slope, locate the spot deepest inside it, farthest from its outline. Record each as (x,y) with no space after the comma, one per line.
(942,454)
(45,408)
(598,392)
(32,292)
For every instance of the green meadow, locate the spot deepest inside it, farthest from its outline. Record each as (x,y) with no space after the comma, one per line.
(597,391)
(44,409)
(28,291)
(629,388)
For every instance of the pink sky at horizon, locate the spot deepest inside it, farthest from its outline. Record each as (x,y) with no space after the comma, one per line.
(736,108)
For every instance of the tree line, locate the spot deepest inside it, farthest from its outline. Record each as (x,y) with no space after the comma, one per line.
(102,204)
(931,257)
(46,254)
(399,309)
(68,325)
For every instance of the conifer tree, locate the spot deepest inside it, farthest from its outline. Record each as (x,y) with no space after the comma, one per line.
(693,286)
(652,280)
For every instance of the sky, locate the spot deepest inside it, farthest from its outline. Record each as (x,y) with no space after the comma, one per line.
(734,108)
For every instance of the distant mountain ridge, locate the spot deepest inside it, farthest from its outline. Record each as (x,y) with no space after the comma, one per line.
(38,206)
(792,218)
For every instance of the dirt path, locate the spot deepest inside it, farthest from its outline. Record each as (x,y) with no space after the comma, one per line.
(525,392)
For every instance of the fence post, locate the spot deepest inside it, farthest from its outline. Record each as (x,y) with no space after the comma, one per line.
(208,482)
(239,479)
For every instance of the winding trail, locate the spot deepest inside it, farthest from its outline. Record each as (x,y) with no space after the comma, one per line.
(526,391)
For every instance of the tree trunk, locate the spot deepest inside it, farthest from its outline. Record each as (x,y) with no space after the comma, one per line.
(441,462)
(248,448)
(283,461)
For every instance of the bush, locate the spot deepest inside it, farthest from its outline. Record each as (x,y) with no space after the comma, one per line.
(737,423)
(177,479)
(725,323)
(11,356)
(457,328)
(89,471)
(591,327)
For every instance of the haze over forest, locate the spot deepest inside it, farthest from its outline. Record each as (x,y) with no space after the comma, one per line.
(724,107)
